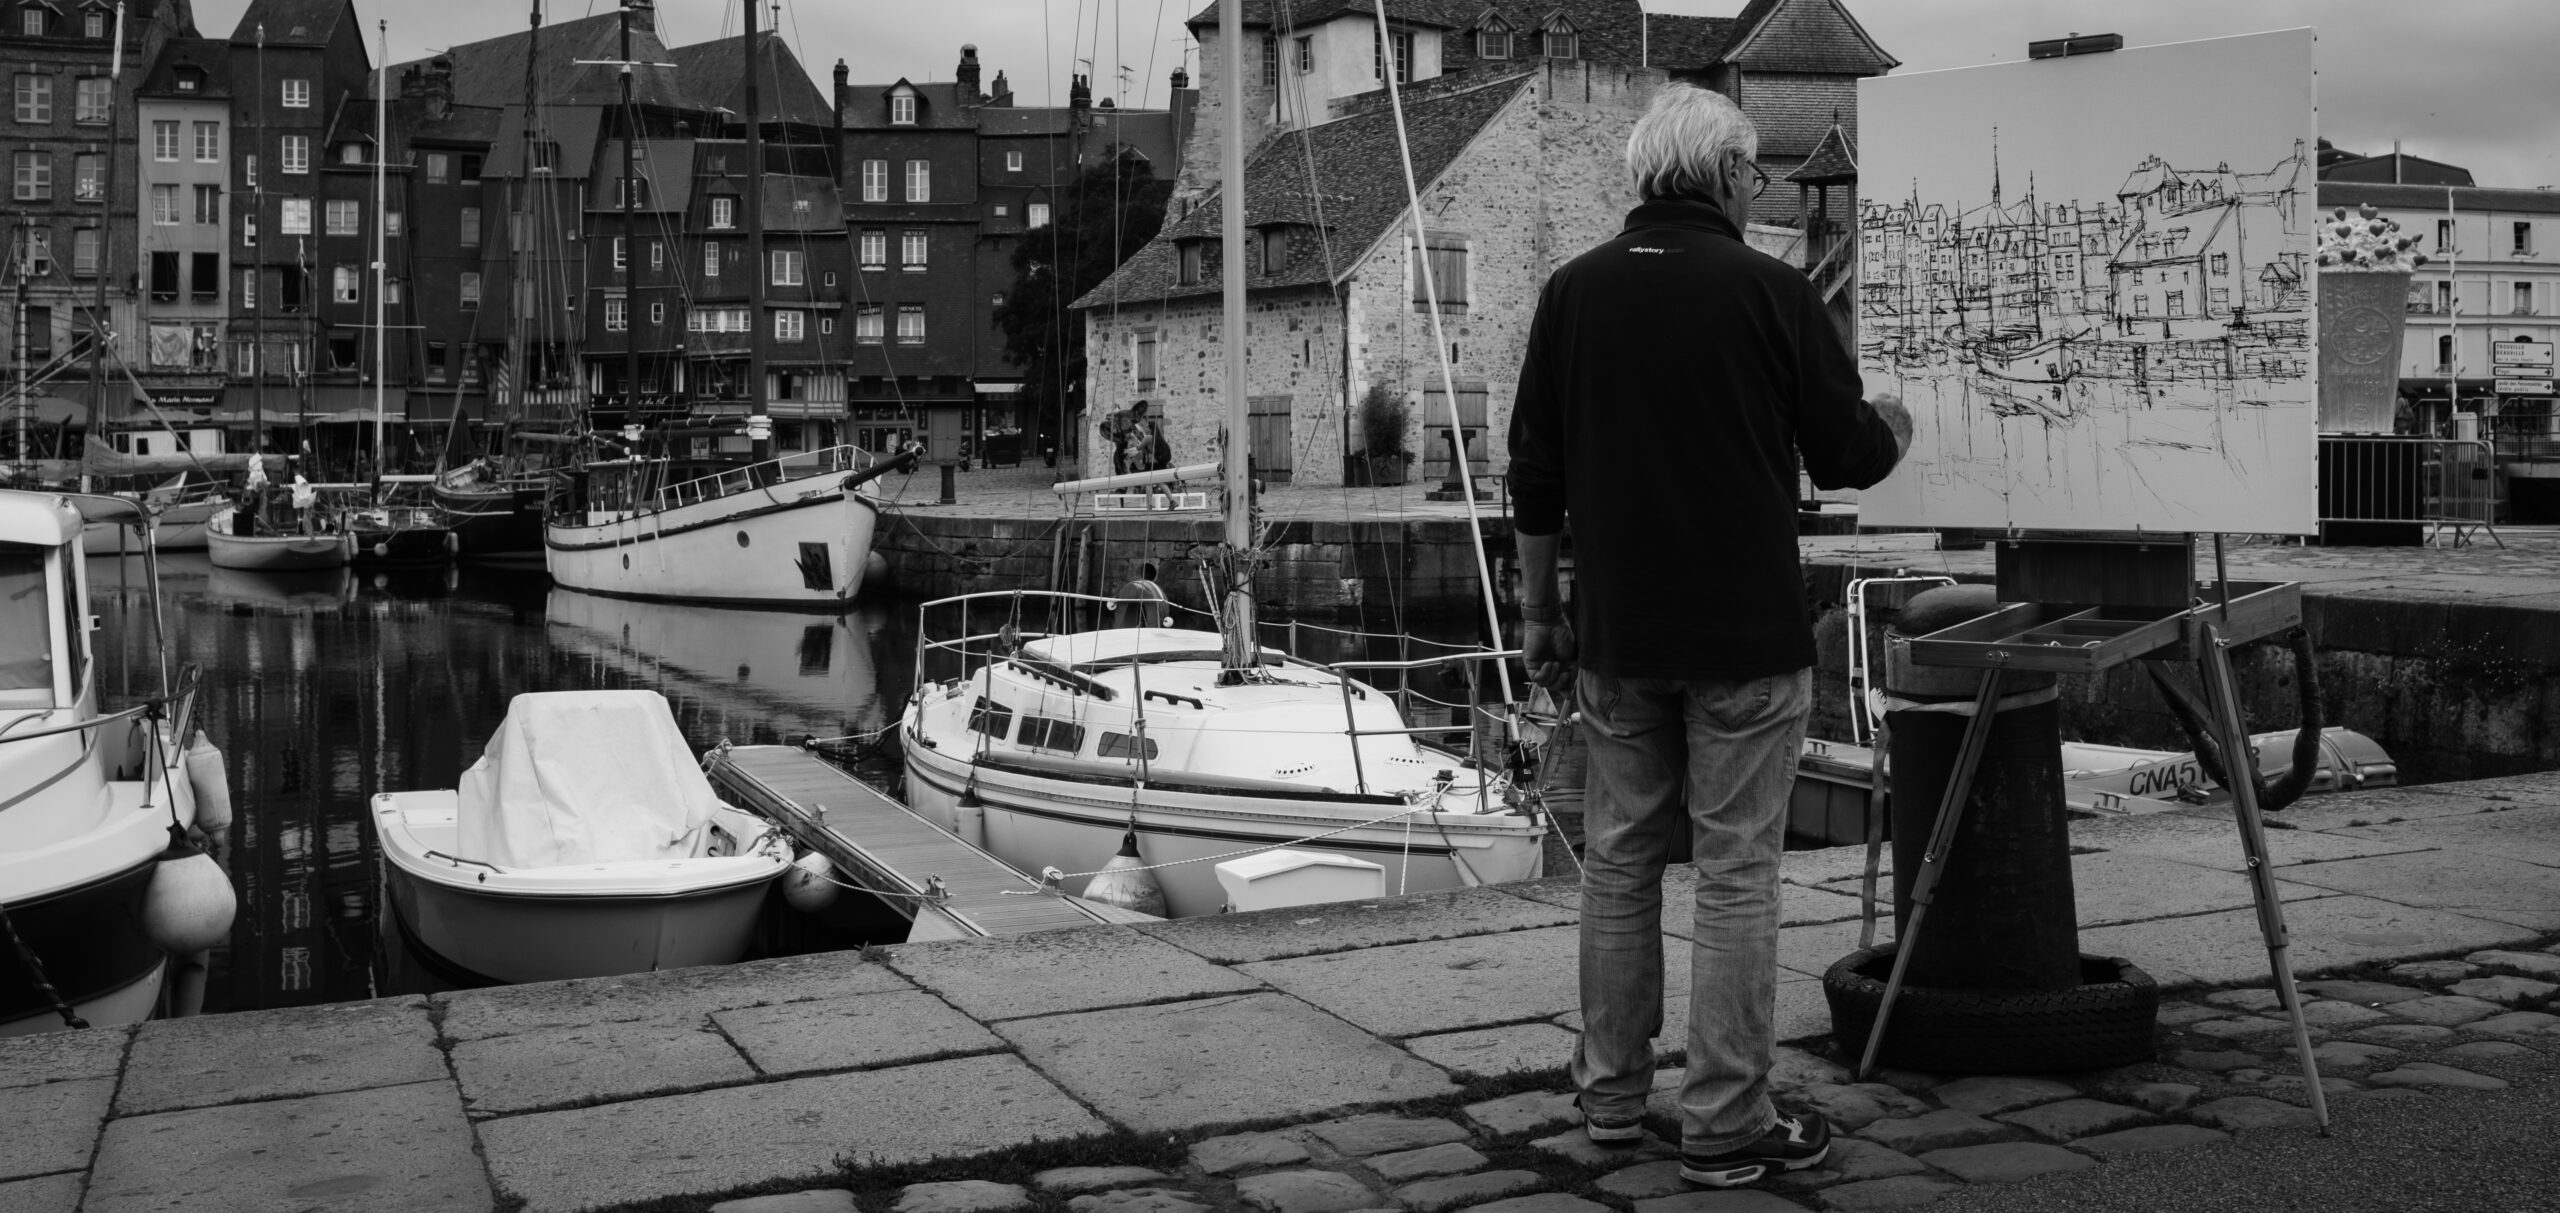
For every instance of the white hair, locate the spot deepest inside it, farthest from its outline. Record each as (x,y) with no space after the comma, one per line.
(1678,147)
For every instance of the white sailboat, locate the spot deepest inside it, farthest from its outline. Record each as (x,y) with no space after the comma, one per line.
(1049,747)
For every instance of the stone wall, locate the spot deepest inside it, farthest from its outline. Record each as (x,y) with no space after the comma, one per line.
(2451,689)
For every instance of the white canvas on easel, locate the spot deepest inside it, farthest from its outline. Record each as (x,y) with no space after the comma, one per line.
(2091,280)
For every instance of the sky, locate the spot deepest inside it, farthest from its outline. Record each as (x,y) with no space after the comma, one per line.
(2463,81)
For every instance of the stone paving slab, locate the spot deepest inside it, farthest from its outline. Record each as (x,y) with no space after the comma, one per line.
(2150,1138)
(406,1147)
(52,1127)
(1308,930)
(2381,806)
(215,1059)
(45,1194)
(1219,1061)
(1798,903)
(2329,932)
(2121,886)
(560,1067)
(709,1141)
(60,1056)
(1453,984)
(2527,834)
(2466,882)
(2214,841)
(673,996)
(1497,1052)
(1061,971)
(859,1032)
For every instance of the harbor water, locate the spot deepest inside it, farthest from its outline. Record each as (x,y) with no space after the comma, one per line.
(325,688)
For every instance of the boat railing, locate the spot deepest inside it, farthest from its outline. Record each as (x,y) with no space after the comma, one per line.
(798,466)
(1472,725)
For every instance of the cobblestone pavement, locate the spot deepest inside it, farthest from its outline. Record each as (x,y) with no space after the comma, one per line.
(1403,1053)
(1908,1139)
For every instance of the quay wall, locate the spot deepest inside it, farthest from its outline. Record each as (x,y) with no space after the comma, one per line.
(2451,688)
(1373,570)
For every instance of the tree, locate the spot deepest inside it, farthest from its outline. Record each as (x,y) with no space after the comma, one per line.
(1101,219)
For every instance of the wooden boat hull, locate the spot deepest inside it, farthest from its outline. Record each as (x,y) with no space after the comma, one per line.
(271,553)
(800,544)
(550,924)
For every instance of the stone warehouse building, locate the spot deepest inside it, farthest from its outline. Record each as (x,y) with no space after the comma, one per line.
(1518,117)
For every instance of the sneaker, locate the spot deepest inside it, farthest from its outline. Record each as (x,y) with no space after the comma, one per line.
(1609,1130)
(1792,1144)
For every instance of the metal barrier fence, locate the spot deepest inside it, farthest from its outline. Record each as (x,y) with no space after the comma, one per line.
(2446,485)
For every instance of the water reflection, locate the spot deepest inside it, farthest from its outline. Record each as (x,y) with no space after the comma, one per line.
(325,688)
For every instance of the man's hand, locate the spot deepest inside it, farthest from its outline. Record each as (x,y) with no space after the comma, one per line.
(1548,649)
(1897,418)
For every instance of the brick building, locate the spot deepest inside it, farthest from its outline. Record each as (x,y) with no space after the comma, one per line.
(1518,116)
(941,183)
(67,236)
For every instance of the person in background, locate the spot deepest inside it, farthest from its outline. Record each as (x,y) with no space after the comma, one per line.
(1673,377)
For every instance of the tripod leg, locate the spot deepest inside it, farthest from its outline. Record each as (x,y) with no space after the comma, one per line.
(1933,862)
(1875,837)
(2223,690)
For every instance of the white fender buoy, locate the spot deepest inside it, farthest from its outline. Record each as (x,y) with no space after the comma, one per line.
(211,784)
(452,544)
(875,573)
(1125,881)
(382,550)
(190,904)
(805,886)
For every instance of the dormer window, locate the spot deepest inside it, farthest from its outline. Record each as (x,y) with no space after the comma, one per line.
(1493,38)
(189,79)
(1273,246)
(1188,258)
(32,20)
(724,212)
(902,109)
(93,24)
(1560,40)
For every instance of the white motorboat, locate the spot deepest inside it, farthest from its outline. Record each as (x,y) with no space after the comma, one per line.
(584,843)
(89,798)
(270,553)
(1047,752)
(177,526)
(790,532)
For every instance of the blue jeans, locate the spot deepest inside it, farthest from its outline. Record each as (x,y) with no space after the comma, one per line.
(1732,746)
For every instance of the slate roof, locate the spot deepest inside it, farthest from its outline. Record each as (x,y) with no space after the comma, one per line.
(713,75)
(291,22)
(1834,160)
(211,56)
(2408,170)
(1358,179)
(1679,41)
(1611,31)
(938,107)
(491,71)
(1804,36)
(2432,197)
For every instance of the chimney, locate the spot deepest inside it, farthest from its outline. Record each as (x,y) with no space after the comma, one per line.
(967,75)
(431,84)
(1181,79)
(1003,93)
(644,16)
(1079,95)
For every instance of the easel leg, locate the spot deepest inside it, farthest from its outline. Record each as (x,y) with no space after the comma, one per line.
(1933,863)
(1880,738)
(2240,765)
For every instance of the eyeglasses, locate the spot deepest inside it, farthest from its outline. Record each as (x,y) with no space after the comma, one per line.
(1759,179)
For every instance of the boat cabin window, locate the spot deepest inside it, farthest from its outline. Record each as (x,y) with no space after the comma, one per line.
(1122,745)
(991,718)
(1046,733)
(26,638)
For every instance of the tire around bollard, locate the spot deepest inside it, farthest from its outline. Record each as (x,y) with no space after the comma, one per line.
(2107,1020)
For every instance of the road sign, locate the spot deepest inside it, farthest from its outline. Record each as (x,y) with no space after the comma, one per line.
(2522,354)
(2524,387)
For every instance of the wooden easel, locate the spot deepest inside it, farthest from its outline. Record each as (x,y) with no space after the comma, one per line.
(2083,603)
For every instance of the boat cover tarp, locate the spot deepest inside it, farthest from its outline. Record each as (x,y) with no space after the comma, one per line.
(584,777)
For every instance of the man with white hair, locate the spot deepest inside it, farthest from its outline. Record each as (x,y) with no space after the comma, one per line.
(1673,378)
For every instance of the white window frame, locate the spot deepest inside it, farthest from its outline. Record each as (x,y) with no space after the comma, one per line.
(724,212)
(208,143)
(617,314)
(346,285)
(875,181)
(710,258)
(31,176)
(297,94)
(164,141)
(1013,162)
(905,336)
(875,248)
(88,89)
(867,324)
(790,324)
(344,217)
(902,109)
(293,217)
(1036,215)
(790,267)
(919,181)
(32,97)
(469,293)
(914,246)
(294,154)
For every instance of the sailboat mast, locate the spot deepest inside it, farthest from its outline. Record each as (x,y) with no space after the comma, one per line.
(520,231)
(1239,532)
(630,240)
(258,260)
(757,419)
(381,254)
(98,326)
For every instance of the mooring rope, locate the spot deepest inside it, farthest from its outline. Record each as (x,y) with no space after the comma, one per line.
(35,973)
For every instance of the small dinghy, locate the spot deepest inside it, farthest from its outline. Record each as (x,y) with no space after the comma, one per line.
(585,842)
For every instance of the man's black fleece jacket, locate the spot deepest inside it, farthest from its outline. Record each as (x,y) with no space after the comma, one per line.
(1672,376)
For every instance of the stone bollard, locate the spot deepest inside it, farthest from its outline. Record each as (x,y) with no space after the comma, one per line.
(2003,918)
